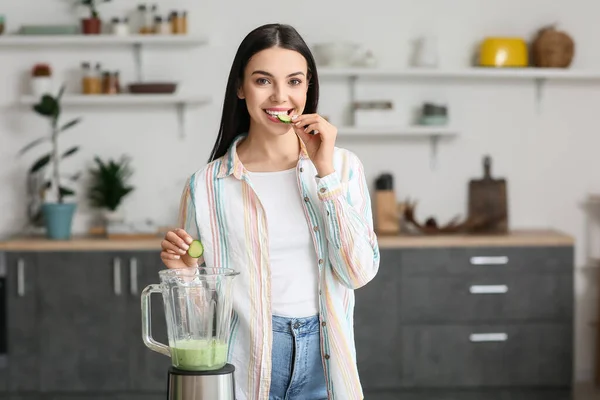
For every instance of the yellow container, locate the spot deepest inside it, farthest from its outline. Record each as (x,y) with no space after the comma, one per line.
(503,52)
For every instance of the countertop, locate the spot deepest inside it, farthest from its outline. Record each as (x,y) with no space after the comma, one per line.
(515,238)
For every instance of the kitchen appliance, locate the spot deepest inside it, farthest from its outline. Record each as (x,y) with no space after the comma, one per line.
(198,305)
(503,52)
(488,200)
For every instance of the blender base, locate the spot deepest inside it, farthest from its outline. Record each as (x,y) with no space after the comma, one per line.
(201,385)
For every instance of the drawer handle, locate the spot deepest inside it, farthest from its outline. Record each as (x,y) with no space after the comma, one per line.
(488,337)
(488,289)
(500,260)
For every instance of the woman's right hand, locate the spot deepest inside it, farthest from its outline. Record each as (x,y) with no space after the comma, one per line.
(174,250)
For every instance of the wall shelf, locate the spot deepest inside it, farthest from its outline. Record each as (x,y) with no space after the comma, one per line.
(137,42)
(465,73)
(101,40)
(180,102)
(538,75)
(431,133)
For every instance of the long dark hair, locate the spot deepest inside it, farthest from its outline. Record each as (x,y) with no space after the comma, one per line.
(235,118)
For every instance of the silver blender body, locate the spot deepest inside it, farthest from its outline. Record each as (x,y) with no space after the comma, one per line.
(206,385)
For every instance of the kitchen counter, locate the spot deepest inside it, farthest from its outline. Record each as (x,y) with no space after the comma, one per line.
(515,238)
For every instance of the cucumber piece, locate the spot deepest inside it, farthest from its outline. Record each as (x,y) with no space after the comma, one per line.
(284,118)
(196,249)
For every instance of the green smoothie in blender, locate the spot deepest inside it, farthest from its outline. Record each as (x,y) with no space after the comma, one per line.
(199,355)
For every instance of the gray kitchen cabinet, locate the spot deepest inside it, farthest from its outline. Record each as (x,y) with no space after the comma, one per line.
(23,329)
(148,369)
(377,327)
(498,355)
(83,322)
(476,317)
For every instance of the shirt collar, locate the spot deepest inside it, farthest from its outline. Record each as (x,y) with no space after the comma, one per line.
(231,164)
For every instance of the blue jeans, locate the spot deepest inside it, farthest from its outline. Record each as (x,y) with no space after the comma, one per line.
(297,372)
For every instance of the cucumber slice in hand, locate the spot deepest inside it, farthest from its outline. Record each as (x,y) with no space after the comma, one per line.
(284,118)
(196,249)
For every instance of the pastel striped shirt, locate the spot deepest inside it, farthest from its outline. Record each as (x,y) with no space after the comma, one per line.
(219,206)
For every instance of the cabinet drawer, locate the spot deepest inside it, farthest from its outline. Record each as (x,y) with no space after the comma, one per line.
(494,297)
(488,355)
(479,260)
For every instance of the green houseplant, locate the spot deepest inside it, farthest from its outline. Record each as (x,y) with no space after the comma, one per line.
(93,24)
(56,213)
(109,186)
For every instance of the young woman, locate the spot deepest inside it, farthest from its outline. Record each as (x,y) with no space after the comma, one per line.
(280,203)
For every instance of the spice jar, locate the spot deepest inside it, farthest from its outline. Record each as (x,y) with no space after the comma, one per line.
(120,27)
(184,23)
(109,83)
(176,23)
(162,27)
(90,83)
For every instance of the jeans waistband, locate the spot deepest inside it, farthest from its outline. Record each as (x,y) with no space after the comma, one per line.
(300,325)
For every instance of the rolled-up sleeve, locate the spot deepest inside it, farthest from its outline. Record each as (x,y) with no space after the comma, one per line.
(353,247)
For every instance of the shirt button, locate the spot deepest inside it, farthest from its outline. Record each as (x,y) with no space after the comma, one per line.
(323,190)
(301,169)
(327,356)
(327,212)
(320,292)
(323,323)
(315,228)
(306,198)
(320,261)
(297,325)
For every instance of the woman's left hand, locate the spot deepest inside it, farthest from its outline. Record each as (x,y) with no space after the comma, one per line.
(320,144)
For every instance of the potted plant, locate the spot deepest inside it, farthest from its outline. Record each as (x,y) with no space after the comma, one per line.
(109,186)
(56,212)
(41,80)
(93,24)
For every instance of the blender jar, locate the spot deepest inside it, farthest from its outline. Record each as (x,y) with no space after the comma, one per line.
(198,309)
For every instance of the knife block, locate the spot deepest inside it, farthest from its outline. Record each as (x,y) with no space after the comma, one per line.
(387,218)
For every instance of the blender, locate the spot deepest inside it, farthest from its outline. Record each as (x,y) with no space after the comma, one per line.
(198,305)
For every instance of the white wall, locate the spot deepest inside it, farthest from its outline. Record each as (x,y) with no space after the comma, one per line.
(549,159)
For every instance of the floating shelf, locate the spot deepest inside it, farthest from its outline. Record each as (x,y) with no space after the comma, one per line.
(106,39)
(181,102)
(538,75)
(466,73)
(432,133)
(396,131)
(136,41)
(122,99)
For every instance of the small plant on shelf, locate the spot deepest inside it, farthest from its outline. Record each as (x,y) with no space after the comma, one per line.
(109,186)
(93,24)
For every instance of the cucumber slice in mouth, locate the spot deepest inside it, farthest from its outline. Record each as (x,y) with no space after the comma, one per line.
(284,118)
(196,249)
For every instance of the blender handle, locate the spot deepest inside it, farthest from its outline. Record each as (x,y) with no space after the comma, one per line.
(147,322)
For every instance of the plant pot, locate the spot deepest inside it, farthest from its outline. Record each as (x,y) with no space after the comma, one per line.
(41,85)
(58,219)
(91,26)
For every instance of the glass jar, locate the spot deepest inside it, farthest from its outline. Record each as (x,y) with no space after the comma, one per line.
(145,25)
(162,27)
(120,27)
(90,81)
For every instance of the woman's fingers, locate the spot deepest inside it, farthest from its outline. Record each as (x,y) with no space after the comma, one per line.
(177,239)
(170,247)
(166,256)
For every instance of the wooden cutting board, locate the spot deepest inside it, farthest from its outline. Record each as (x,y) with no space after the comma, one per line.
(488,198)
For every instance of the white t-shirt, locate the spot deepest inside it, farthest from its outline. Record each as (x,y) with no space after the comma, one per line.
(294,269)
